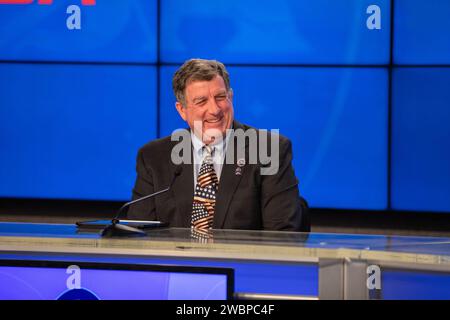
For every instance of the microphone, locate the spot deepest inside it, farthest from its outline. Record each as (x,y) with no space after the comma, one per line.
(118,229)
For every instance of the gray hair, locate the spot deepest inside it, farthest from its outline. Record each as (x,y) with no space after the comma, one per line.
(197,70)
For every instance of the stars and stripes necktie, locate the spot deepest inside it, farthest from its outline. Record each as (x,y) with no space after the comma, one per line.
(205,194)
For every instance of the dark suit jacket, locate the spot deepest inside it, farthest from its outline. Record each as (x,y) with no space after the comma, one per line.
(247,201)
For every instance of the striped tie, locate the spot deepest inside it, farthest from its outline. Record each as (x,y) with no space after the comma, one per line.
(205,194)
(202,236)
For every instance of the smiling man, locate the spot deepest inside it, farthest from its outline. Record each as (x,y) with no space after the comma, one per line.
(205,100)
(222,183)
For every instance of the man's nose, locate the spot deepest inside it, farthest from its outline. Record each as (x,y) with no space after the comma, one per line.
(213,107)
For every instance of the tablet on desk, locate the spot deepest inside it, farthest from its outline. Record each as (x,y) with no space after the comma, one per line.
(140,224)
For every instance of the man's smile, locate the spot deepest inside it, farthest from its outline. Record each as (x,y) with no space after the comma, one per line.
(214,120)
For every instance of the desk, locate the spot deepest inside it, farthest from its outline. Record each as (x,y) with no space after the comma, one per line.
(286,265)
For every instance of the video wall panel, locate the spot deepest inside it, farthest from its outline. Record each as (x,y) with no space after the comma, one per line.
(67,30)
(421,33)
(72,131)
(420,139)
(276,32)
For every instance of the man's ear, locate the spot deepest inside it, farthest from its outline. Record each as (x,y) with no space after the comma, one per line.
(181,110)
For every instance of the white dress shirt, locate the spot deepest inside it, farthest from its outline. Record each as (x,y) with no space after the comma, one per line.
(218,155)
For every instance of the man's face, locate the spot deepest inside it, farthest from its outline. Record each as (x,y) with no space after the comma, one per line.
(208,110)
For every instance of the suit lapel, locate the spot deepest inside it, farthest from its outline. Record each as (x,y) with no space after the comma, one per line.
(183,189)
(228,184)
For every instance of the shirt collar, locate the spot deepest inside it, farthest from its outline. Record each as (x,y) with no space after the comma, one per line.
(218,147)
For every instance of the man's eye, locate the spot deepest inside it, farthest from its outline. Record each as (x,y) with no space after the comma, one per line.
(200,102)
(221,97)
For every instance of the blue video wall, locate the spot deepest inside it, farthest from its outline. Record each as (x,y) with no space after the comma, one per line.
(359,86)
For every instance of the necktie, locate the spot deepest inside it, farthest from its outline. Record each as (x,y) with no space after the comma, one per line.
(205,194)
(202,236)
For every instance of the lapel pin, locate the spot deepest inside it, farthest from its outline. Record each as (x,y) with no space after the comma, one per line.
(238,171)
(241,162)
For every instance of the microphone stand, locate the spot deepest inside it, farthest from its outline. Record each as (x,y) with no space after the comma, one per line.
(118,229)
